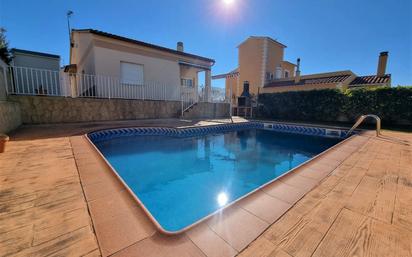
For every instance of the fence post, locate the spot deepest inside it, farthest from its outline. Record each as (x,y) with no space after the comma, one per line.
(5,79)
(230,101)
(108,86)
(181,99)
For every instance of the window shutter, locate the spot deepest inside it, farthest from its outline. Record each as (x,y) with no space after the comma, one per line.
(131,74)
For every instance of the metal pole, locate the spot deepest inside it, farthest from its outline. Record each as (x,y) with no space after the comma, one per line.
(181,99)
(69,14)
(230,102)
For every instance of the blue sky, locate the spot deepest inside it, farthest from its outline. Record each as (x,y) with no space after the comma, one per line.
(328,35)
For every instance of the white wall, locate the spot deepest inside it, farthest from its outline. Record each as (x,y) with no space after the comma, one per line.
(161,77)
(82,53)
(107,62)
(36,73)
(36,61)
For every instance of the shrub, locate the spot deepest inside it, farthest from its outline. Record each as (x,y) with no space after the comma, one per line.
(392,104)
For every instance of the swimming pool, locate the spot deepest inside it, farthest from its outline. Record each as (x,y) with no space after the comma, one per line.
(181,176)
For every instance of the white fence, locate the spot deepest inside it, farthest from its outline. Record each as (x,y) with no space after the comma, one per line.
(99,86)
(31,81)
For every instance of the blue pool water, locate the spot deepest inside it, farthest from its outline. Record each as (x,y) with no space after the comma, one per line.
(182,180)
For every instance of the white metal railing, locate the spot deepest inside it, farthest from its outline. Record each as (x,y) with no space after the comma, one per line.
(217,95)
(188,98)
(99,86)
(32,81)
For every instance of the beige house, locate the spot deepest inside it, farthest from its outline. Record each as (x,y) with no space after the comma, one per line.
(262,64)
(134,62)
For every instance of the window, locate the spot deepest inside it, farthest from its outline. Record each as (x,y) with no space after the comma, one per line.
(186,82)
(286,74)
(131,74)
(269,76)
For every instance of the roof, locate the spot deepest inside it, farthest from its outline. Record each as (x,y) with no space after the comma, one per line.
(289,63)
(141,43)
(370,80)
(311,79)
(263,37)
(232,73)
(15,50)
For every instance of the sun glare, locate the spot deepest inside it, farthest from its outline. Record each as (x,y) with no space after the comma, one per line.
(228,2)
(222,199)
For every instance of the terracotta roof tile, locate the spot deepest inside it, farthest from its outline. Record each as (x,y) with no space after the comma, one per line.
(372,79)
(303,81)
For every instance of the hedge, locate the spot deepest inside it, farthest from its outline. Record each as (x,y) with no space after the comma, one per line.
(392,104)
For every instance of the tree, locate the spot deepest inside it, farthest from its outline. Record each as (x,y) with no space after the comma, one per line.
(4,47)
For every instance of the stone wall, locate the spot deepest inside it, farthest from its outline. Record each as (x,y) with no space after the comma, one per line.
(10,116)
(208,110)
(42,110)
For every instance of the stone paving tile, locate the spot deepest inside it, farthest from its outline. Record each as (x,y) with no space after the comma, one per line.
(264,206)
(43,210)
(162,246)
(209,242)
(121,231)
(294,179)
(360,208)
(237,226)
(284,192)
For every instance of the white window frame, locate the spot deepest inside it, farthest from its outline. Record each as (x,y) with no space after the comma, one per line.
(183,82)
(139,81)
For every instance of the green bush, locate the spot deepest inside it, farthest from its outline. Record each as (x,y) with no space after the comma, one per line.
(392,104)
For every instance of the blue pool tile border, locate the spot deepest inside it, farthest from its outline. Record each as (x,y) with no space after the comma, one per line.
(108,134)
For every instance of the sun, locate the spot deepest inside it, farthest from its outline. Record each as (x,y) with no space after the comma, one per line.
(228,2)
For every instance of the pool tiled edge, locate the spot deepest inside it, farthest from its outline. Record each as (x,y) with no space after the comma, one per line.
(203,130)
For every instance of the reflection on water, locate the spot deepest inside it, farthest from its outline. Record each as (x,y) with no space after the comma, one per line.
(181,180)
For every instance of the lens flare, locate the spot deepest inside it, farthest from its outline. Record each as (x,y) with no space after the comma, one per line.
(228,2)
(222,199)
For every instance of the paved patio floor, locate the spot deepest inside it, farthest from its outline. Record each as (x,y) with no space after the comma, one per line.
(58,198)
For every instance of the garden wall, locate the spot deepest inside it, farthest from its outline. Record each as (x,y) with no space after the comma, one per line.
(10,116)
(208,110)
(392,105)
(43,110)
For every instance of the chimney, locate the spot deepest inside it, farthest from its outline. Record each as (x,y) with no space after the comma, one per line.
(297,76)
(180,47)
(383,59)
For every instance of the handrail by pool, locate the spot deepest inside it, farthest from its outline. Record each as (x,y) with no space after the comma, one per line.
(362,118)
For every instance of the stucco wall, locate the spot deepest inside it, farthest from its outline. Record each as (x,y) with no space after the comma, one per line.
(275,55)
(36,61)
(107,62)
(43,110)
(250,63)
(208,110)
(10,116)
